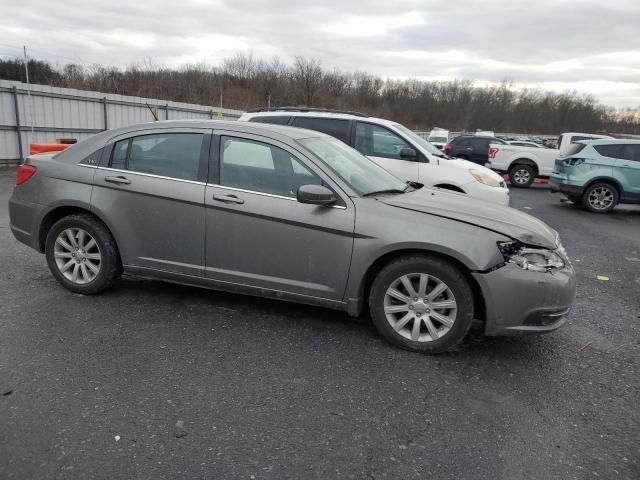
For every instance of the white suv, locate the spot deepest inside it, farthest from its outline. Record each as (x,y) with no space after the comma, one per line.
(393,147)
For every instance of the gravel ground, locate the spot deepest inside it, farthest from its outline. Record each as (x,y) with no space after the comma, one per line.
(152,380)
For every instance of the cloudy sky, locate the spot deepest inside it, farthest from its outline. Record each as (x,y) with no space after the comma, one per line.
(584,45)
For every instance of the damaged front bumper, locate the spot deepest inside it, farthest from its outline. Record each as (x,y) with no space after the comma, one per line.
(520,301)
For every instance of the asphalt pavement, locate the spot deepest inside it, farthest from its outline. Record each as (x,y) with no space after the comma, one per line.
(154,381)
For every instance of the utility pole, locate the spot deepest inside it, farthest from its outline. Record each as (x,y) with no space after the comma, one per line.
(26,71)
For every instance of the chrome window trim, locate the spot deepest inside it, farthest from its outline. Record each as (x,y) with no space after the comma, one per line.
(108,169)
(224,187)
(151,175)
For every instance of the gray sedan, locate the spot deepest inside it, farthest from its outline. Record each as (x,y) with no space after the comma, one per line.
(289,214)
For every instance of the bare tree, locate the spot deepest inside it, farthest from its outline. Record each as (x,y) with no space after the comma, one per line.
(246,82)
(307,78)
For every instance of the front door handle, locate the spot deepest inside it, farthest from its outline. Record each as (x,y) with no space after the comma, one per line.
(228,199)
(119,180)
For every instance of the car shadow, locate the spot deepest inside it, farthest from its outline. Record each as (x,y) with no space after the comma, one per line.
(621,211)
(283,315)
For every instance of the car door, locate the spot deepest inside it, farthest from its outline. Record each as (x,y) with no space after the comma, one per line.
(627,171)
(259,235)
(150,189)
(480,150)
(383,146)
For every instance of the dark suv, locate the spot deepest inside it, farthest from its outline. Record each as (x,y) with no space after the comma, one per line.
(474,148)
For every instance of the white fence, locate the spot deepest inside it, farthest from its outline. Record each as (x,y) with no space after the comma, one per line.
(51,113)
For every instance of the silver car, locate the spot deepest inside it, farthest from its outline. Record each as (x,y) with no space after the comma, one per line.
(289,214)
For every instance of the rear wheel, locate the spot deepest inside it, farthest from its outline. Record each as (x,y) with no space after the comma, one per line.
(82,254)
(600,198)
(521,176)
(421,303)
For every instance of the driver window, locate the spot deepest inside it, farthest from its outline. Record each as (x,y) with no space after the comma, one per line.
(262,167)
(376,141)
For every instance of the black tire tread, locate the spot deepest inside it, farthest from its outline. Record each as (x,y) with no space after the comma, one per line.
(464,321)
(111,266)
(585,197)
(518,166)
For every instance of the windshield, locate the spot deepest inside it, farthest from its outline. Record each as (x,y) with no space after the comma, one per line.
(438,139)
(358,171)
(420,141)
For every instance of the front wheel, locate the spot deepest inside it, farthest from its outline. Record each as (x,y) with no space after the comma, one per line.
(600,198)
(521,176)
(421,303)
(82,254)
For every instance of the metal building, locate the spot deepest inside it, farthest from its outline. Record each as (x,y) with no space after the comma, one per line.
(46,114)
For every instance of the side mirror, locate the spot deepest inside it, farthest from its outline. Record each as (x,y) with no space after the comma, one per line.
(315,195)
(408,153)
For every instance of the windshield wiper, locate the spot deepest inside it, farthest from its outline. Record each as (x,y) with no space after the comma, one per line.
(389,190)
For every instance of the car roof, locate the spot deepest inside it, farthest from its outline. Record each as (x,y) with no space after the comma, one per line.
(598,135)
(609,141)
(277,132)
(317,114)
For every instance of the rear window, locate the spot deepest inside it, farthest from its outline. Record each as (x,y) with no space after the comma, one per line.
(331,126)
(461,141)
(574,148)
(274,119)
(611,151)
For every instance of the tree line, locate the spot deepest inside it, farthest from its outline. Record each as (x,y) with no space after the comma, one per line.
(243,82)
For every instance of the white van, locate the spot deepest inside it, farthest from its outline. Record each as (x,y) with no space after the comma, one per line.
(439,137)
(393,147)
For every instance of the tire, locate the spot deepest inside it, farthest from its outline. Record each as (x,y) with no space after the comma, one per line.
(79,246)
(439,272)
(601,197)
(521,176)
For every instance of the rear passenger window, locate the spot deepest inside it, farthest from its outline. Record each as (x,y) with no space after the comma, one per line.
(273,119)
(331,126)
(631,152)
(119,155)
(175,155)
(261,167)
(611,151)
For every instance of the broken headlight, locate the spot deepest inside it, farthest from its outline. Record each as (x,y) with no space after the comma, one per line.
(534,259)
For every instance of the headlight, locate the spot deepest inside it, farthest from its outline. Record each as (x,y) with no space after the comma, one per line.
(485,178)
(534,259)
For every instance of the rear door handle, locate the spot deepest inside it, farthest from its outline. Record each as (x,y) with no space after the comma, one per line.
(228,199)
(119,180)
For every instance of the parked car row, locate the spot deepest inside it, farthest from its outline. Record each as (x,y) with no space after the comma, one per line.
(411,158)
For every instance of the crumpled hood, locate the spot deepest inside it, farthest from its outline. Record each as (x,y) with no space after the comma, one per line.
(457,206)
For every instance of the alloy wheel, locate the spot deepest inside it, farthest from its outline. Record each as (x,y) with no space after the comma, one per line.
(77,255)
(601,197)
(420,307)
(521,176)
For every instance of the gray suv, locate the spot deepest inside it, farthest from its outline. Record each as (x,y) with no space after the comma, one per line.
(290,214)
